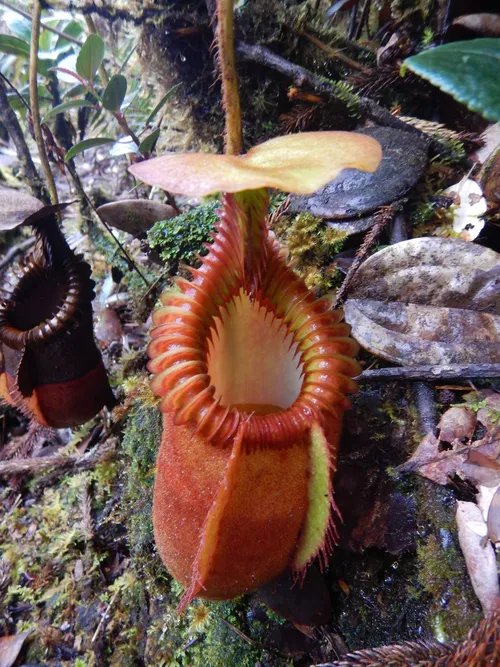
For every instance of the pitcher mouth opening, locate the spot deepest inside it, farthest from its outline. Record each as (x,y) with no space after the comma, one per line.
(253,360)
(43,302)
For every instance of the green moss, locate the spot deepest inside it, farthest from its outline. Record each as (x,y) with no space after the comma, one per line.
(142,436)
(181,238)
(312,244)
(443,582)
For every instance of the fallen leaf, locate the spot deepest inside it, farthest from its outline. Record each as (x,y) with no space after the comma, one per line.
(493,522)
(135,216)
(15,207)
(10,647)
(479,555)
(450,452)
(428,301)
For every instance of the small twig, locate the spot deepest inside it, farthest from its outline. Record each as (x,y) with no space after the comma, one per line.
(21,12)
(16,250)
(241,634)
(382,217)
(81,191)
(9,119)
(35,107)
(104,617)
(227,66)
(334,53)
(63,464)
(432,373)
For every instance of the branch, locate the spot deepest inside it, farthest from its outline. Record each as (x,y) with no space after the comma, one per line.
(432,373)
(301,76)
(62,464)
(35,107)
(30,174)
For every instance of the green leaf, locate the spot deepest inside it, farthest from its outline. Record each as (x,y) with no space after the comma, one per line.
(115,92)
(148,142)
(65,106)
(86,144)
(162,102)
(90,57)
(467,70)
(73,29)
(14,46)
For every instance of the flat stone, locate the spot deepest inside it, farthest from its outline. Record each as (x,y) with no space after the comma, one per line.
(353,226)
(356,192)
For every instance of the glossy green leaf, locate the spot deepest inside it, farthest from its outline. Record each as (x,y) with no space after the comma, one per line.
(90,57)
(148,142)
(162,102)
(467,70)
(73,29)
(86,144)
(115,92)
(65,106)
(14,46)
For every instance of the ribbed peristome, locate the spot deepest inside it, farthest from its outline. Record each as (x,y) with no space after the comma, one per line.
(248,264)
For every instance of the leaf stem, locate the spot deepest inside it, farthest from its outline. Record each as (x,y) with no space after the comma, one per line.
(35,107)
(229,76)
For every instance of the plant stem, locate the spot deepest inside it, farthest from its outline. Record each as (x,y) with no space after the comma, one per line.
(227,66)
(11,123)
(35,108)
(81,191)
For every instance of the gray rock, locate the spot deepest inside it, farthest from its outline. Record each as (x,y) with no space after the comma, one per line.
(356,192)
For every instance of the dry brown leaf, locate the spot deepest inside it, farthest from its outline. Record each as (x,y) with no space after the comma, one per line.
(479,555)
(10,647)
(428,301)
(15,207)
(451,452)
